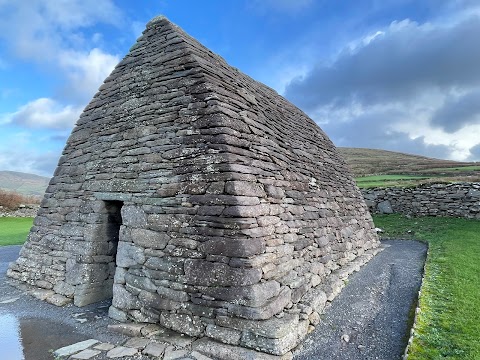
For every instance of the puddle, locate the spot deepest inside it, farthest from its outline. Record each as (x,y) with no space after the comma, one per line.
(34,339)
(10,342)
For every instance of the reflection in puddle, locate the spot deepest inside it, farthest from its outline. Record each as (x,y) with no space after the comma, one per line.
(10,340)
(33,339)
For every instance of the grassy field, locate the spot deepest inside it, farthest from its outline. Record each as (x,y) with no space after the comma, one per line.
(388,180)
(448,325)
(381,168)
(366,162)
(14,231)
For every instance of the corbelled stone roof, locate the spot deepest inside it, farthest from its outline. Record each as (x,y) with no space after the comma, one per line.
(234,215)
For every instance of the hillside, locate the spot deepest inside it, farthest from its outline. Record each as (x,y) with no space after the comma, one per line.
(373,167)
(23,183)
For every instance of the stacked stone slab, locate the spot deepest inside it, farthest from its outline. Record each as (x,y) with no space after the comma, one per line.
(201,200)
(455,200)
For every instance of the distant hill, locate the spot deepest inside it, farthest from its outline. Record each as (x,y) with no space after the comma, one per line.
(373,168)
(23,183)
(365,162)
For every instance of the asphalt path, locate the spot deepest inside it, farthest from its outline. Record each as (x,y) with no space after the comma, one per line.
(372,316)
(370,319)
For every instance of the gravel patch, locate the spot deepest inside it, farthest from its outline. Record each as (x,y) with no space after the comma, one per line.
(371,318)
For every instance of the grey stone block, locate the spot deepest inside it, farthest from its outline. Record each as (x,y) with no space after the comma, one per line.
(272,307)
(385,207)
(183,323)
(201,272)
(233,247)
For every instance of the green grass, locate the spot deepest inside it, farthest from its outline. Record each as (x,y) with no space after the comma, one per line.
(387,180)
(448,326)
(14,231)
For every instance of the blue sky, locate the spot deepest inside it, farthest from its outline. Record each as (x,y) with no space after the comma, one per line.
(400,75)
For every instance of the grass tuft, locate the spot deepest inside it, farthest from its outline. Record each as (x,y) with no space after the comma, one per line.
(14,231)
(448,325)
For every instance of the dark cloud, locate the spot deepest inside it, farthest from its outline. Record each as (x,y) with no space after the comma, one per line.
(373,131)
(458,112)
(405,61)
(475,153)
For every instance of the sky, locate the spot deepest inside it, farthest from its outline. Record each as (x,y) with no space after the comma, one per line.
(400,75)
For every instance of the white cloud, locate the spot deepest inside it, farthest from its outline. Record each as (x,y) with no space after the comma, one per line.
(33,162)
(86,71)
(50,32)
(419,82)
(44,113)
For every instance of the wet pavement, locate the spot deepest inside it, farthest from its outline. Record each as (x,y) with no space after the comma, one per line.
(31,329)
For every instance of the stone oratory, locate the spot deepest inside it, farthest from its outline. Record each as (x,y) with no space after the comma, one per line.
(199,199)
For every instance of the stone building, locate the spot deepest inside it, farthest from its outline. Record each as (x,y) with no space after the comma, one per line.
(199,199)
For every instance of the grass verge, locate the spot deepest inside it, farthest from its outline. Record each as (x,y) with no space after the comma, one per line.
(448,325)
(13,230)
(388,180)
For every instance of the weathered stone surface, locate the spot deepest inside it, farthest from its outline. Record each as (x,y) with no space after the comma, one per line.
(86,354)
(172,354)
(223,334)
(218,350)
(252,295)
(154,349)
(277,346)
(233,247)
(137,343)
(274,327)
(272,307)
(104,346)
(129,329)
(244,188)
(117,314)
(183,323)
(157,302)
(200,272)
(456,200)
(385,207)
(75,348)
(120,352)
(191,193)
(172,266)
(58,300)
(129,255)
(149,239)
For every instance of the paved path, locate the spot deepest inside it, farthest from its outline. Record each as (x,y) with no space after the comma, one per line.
(370,317)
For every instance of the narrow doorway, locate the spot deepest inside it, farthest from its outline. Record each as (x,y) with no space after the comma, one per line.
(114,222)
(94,277)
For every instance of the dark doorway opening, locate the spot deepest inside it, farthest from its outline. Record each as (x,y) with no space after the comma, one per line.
(114,222)
(98,269)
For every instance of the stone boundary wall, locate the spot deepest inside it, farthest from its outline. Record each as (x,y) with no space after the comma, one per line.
(455,200)
(22,211)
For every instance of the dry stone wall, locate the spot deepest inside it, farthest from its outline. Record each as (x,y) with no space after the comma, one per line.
(456,200)
(29,210)
(199,199)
